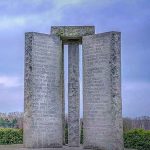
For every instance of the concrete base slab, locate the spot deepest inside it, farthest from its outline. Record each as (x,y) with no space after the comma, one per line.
(20,147)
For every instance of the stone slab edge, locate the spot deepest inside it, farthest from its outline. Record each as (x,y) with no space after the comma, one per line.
(72,32)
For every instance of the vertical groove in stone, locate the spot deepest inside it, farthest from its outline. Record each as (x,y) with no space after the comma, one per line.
(63,98)
(115,60)
(27,87)
(73,95)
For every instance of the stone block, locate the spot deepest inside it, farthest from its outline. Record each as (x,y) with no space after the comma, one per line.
(72,32)
(102,108)
(43,91)
(73,95)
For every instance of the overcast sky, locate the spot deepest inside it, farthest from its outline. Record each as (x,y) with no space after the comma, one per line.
(131,17)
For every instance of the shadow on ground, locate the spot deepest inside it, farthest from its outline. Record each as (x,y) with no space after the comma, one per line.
(20,147)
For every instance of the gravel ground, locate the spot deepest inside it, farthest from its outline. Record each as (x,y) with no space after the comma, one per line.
(20,147)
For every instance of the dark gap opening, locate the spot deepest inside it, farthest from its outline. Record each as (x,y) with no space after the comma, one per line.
(81,92)
(66,92)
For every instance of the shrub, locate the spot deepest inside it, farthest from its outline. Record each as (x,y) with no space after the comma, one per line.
(138,139)
(11,136)
(81,134)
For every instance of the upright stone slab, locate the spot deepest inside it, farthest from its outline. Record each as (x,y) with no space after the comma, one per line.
(102,112)
(43,91)
(73,95)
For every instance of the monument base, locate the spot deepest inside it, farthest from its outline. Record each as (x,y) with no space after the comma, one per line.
(20,147)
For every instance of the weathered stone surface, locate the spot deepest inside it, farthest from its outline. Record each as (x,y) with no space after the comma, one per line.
(43,91)
(102,113)
(73,95)
(44,100)
(72,32)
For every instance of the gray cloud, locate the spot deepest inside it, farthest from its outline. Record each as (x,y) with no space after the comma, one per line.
(131,17)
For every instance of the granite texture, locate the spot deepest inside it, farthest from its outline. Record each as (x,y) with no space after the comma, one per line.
(73,95)
(102,108)
(44,117)
(43,91)
(72,32)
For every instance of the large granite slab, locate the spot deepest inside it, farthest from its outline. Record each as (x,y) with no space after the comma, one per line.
(102,113)
(43,91)
(73,95)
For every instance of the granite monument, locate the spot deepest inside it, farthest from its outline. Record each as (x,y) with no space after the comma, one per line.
(44,117)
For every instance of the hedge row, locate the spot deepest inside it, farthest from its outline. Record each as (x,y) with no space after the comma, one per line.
(11,136)
(137,139)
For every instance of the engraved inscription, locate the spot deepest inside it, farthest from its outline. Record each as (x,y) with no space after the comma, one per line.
(73,95)
(44,106)
(99,121)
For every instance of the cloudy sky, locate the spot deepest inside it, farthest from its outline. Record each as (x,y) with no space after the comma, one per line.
(131,17)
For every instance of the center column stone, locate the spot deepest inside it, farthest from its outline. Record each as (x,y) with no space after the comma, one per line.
(73,95)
